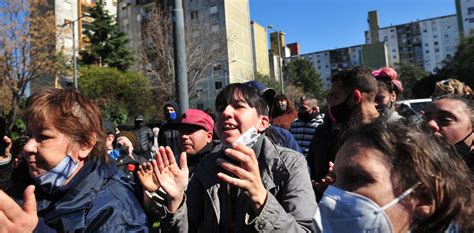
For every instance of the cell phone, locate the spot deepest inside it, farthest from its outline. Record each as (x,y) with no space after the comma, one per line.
(3,129)
(248,139)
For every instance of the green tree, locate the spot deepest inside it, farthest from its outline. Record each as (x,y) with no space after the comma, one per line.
(108,44)
(301,73)
(409,74)
(461,66)
(118,94)
(267,80)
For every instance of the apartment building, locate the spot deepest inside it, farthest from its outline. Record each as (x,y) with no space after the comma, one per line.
(327,62)
(425,42)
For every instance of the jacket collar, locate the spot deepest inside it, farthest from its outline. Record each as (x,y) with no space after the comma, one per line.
(70,211)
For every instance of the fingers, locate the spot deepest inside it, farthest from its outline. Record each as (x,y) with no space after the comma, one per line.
(9,207)
(170,155)
(243,159)
(30,200)
(245,150)
(8,143)
(230,180)
(183,161)
(158,164)
(236,170)
(164,157)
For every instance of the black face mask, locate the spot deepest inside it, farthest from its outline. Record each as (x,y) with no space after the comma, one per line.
(122,149)
(462,148)
(305,116)
(342,112)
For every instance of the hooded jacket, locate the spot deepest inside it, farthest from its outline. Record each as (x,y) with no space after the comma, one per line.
(170,137)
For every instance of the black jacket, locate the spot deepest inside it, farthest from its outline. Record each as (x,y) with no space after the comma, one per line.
(145,140)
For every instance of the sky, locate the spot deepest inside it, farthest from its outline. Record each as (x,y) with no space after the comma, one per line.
(327,24)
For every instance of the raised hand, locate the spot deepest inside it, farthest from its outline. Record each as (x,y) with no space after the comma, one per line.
(247,175)
(14,218)
(172,178)
(147,177)
(329,179)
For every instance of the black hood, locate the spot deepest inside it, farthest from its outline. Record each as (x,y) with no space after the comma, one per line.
(176,108)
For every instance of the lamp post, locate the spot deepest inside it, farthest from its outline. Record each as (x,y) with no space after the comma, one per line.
(280,57)
(74,62)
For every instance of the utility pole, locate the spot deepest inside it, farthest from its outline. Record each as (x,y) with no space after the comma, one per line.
(180,56)
(74,61)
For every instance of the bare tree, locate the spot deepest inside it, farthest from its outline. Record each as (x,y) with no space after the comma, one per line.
(27,46)
(203,51)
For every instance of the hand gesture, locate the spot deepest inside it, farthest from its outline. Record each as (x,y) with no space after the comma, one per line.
(172,178)
(329,179)
(247,175)
(8,145)
(14,218)
(147,177)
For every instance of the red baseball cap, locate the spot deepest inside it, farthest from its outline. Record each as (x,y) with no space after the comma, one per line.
(193,118)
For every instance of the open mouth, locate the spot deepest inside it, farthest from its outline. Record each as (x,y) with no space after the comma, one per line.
(229,127)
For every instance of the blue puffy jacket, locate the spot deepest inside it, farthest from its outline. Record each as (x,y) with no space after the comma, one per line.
(98,199)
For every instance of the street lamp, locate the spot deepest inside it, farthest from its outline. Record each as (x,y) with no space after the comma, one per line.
(280,56)
(74,62)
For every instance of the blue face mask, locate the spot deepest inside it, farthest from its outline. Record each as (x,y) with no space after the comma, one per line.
(343,211)
(57,176)
(172,115)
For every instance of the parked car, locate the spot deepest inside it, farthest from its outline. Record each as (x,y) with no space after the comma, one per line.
(408,108)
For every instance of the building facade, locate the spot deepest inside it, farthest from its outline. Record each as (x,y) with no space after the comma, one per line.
(328,62)
(426,43)
(465,17)
(260,48)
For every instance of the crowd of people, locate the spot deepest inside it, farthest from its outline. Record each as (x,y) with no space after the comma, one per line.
(259,163)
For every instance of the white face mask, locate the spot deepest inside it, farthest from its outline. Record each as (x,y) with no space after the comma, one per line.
(343,211)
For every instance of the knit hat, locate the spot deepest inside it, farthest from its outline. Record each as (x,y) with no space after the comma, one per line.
(131,136)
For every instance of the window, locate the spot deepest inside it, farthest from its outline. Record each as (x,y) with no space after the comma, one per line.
(218,85)
(427,51)
(436,50)
(436,43)
(213,9)
(470,10)
(471,20)
(194,14)
(215,27)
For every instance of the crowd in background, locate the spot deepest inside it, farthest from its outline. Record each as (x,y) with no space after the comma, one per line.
(352,162)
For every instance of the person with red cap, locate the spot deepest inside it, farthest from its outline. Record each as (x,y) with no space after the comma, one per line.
(196,129)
